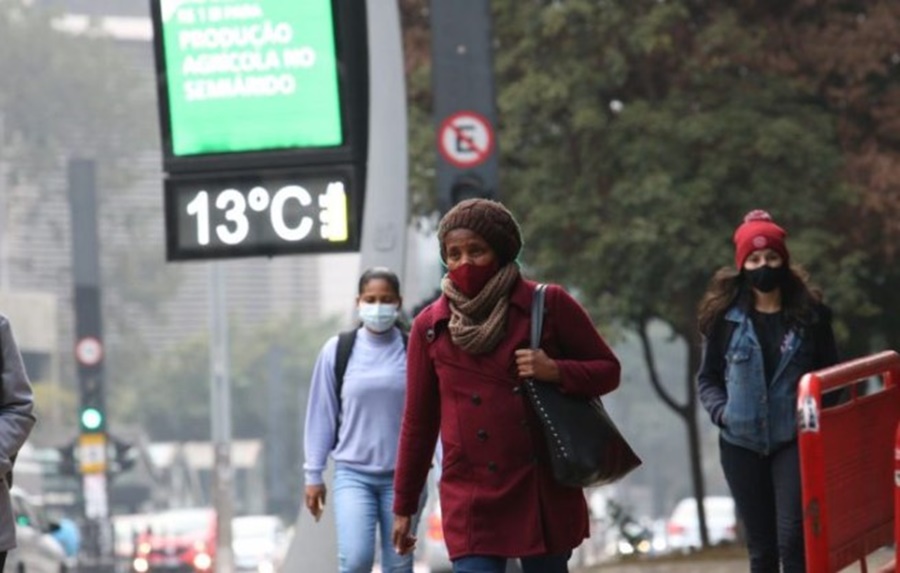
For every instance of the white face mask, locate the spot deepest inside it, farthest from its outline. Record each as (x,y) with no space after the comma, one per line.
(378,317)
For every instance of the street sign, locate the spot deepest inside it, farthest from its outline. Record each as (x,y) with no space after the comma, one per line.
(466,139)
(92,453)
(89,351)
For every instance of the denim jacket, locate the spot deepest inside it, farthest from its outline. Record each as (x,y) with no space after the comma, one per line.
(732,387)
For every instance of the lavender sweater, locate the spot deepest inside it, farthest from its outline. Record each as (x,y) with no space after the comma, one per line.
(372,407)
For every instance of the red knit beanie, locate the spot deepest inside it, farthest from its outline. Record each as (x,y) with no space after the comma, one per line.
(758,231)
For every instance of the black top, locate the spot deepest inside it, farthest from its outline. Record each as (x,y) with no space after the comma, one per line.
(770,330)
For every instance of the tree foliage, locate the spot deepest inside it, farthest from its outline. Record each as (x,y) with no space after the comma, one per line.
(634,136)
(170,399)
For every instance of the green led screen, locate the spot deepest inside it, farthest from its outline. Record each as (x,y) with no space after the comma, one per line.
(250,75)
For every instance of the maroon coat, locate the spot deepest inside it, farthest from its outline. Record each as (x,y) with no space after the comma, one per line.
(498,496)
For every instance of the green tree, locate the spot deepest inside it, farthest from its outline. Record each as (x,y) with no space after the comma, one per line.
(635,136)
(848,55)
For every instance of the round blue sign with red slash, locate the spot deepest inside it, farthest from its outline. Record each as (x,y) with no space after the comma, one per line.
(466,139)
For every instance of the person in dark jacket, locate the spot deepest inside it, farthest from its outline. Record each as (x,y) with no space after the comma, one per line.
(764,327)
(16,421)
(468,356)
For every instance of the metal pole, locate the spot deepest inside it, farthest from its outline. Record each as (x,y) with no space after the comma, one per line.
(314,545)
(465,111)
(386,212)
(220,417)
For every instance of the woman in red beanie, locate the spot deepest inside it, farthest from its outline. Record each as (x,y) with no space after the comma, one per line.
(468,356)
(763,327)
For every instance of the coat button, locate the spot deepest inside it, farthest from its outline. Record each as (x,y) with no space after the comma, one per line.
(492,467)
(517,389)
(429,335)
(524,422)
(476,399)
(482,435)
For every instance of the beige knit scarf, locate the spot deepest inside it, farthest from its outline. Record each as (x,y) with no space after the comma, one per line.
(478,324)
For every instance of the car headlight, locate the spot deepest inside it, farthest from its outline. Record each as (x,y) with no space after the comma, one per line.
(202,561)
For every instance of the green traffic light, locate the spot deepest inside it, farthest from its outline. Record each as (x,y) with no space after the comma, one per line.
(91,418)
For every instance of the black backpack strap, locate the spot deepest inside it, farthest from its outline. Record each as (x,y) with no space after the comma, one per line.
(345,343)
(342,358)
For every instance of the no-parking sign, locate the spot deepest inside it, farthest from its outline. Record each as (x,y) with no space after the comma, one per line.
(466,139)
(89,351)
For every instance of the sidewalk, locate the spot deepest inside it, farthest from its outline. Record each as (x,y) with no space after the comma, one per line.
(735,562)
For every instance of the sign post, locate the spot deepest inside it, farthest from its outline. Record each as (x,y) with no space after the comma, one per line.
(88,350)
(464,103)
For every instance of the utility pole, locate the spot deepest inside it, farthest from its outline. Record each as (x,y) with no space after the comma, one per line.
(89,353)
(464,103)
(386,211)
(220,417)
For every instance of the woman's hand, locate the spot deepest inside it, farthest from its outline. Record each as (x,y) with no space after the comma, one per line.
(404,541)
(536,364)
(315,500)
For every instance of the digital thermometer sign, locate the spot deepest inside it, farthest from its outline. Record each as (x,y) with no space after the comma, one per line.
(240,214)
(263,108)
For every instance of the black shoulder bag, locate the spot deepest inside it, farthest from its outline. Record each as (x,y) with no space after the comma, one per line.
(586,448)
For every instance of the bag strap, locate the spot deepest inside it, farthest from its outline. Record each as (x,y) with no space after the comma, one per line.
(537,315)
(345,343)
(346,340)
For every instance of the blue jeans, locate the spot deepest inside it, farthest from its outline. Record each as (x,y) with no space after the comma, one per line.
(537,564)
(767,494)
(362,503)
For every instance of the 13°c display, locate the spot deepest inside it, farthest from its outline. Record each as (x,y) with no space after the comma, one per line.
(269,213)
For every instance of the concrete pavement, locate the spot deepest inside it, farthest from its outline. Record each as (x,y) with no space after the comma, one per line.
(734,561)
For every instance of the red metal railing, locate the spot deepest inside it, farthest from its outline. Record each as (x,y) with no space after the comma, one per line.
(846,462)
(897,495)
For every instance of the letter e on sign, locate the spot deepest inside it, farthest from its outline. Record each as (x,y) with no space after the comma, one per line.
(89,351)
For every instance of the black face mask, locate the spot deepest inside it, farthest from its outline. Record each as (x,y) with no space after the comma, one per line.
(766,278)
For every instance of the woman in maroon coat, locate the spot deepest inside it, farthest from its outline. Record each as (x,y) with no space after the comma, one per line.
(468,356)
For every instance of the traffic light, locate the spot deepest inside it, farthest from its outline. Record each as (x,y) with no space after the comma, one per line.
(124,456)
(68,463)
(92,414)
(466,186)
(91,419)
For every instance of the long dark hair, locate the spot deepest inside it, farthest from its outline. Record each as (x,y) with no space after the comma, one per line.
(729,287)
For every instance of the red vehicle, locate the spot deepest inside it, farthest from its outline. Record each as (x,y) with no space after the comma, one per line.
(177,541)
